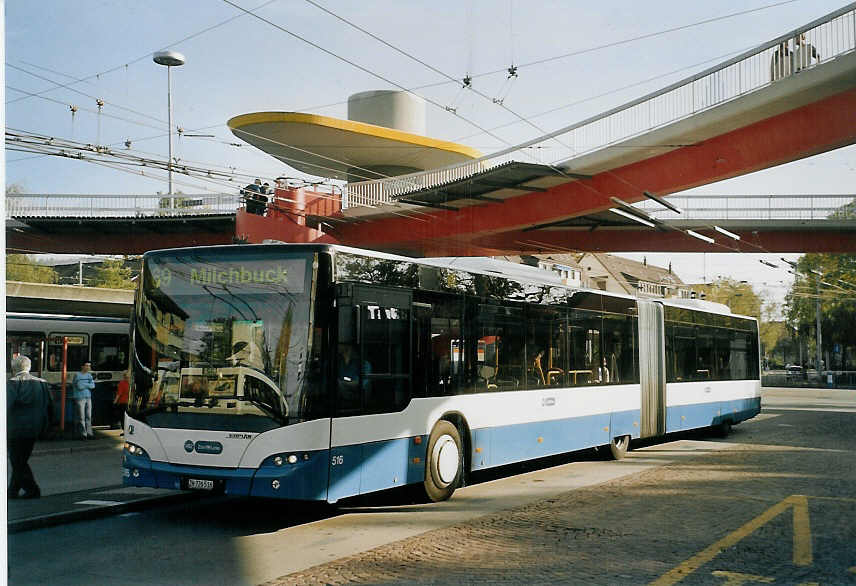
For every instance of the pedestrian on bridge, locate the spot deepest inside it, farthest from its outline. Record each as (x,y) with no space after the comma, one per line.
(29,413)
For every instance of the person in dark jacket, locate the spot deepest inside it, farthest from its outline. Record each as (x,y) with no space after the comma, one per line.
(29,412)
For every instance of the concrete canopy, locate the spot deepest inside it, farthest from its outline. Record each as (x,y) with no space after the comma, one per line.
(344,149)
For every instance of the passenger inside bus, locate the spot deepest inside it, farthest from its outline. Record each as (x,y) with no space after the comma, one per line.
(538,370)
(352,380)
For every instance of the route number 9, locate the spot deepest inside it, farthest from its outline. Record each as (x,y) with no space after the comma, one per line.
(337,460)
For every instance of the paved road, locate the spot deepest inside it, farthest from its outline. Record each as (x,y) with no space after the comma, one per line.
(776,501)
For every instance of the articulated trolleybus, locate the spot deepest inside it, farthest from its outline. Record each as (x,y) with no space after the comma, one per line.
(320,372)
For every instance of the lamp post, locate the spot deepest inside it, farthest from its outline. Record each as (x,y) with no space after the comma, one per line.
(170,59)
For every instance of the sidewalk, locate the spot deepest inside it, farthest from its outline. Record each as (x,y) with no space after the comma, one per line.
(80,480)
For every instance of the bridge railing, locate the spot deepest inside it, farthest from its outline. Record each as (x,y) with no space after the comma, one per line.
(818,42)
(33,205)
(756,207)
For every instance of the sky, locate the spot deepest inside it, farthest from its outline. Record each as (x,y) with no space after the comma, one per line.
(238,64)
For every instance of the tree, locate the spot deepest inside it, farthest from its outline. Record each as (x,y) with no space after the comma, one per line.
(831,278)
(20,267)
(739,296)
(113,274)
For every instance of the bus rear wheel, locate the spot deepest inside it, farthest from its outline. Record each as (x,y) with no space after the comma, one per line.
(723,428)
(443,462)
(618,447)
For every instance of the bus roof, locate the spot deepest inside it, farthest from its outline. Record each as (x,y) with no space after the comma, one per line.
(479,265)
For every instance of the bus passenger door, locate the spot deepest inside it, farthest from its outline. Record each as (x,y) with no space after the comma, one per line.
(652,369)
(373,372)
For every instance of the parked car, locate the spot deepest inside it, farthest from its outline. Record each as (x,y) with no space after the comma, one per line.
(794,370)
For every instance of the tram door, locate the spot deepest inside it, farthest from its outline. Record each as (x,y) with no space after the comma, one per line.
(652,368)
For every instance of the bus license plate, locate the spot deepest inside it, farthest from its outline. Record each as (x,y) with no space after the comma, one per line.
(198,484)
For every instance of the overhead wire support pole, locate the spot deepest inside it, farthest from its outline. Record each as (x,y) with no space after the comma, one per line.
(817,317)
(170,59)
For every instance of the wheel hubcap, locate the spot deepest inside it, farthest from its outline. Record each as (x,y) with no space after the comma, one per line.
(446,457)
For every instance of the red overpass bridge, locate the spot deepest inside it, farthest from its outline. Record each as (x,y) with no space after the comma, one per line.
(121,224)
(789,98)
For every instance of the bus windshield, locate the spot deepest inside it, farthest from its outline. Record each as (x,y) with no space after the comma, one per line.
(222,338)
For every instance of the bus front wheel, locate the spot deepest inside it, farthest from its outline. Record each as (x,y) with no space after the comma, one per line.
(443,462)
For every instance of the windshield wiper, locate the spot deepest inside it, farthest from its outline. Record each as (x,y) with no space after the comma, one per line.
(270,411)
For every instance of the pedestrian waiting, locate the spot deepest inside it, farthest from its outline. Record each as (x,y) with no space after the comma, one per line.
(82,386)
(29,413)
(120,401)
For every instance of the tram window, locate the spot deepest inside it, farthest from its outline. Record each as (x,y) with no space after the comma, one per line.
(546,346)
(722,354)
(619,348)
(445,355)
(77,352)
(681,357)
(586,362)
(704,357)
(28,344)
(499,340)
(109,352)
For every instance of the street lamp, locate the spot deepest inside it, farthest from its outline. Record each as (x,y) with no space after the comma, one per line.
(170,59)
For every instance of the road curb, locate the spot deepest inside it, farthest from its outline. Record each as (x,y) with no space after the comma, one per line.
(53,519)
(73,449)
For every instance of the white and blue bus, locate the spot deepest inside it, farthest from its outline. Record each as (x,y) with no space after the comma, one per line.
(319,372)
(102,341)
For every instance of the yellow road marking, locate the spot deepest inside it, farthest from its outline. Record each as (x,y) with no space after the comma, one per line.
(802,532)
(802,554)
(738,579)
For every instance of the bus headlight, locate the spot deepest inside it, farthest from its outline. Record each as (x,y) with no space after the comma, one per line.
(278,461)
(136,450)
(292,459)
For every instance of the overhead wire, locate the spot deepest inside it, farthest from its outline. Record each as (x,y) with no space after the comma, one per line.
(422,62)
(435,70)
(86,152)
(149,54)
(639,37)
(42,77)
(37,94)
(365,70)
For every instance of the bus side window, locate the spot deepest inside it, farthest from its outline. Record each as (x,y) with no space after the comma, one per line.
(109,352)
(77,353)
(28,344)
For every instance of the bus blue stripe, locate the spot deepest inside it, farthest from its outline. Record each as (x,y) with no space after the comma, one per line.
(363,468)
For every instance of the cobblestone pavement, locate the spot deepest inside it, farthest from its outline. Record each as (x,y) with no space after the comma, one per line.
(725,517)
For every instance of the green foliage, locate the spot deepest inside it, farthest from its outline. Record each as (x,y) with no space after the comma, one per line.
(740,297)
(836,289)
(20,267)
(113,274)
